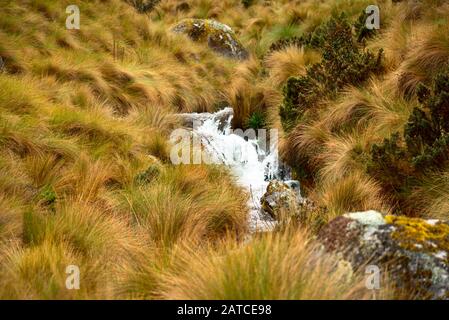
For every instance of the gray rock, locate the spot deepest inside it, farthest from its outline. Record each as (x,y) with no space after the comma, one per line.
(415,251)
(218,36)
(281,197)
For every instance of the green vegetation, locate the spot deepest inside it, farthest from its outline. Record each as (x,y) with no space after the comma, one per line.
(399,163)
(256,121)
(144,6)
(343,63)
(85,119)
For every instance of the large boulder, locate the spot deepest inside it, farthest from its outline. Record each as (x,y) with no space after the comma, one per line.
(415,251)
(219,37)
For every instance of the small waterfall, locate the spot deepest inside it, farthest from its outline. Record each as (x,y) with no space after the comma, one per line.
(253,162)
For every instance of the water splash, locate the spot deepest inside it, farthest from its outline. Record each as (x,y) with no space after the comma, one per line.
(252,161)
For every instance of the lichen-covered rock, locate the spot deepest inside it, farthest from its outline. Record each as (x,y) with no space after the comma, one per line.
(415,251)
(281,196)
(219,37)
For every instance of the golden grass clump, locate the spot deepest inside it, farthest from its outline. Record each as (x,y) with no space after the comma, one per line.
(187,203)
(289,62)
(272,266)
(431,197)
(354,192)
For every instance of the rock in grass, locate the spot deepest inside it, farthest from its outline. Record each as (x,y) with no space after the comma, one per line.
(414,250)
(219,37)
(281,196)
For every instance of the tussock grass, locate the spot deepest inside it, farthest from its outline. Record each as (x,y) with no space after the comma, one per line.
(354,192)
(89,231)
(432,196)
(16,96)
(376,109)
(289,62)
(84,171)
(272,266)
(245,95)
(330,149)
(429,52)
(186,203)
(340,157)
(10,219)
(38,272)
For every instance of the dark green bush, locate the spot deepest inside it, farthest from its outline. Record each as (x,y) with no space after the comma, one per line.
(247,3)
(360,29)
(390,166)
(399,163)
(343,63)
(299,94)
(427,131)
(144,6)
(148,175)
(316,39)
(256,121)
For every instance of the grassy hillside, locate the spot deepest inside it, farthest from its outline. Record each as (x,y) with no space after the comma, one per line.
(85,175)
(84,132)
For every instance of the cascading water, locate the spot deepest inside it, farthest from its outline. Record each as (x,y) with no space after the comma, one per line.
(253,161)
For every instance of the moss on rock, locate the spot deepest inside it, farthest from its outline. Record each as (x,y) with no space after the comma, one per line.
(415,251)
(419,235)
(219,37)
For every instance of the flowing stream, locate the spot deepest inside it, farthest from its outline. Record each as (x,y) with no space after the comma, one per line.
(252,160)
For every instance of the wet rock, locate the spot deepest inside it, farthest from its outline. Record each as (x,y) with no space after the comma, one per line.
(293,184)
(219,37)
(414,250)
(281,197)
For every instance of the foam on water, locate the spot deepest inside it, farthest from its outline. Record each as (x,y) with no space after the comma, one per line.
(252,166)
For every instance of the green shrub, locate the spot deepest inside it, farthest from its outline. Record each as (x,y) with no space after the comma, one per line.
(256,121)
(427,132)
(389,164)
(148,175)
(316,39)
(361,31)
(247,3)
(343,63)
(144,6)
(399,163)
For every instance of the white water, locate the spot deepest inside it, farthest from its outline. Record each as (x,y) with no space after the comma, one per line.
(252,166)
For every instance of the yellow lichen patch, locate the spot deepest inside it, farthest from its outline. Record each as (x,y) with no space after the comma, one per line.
(419,235)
